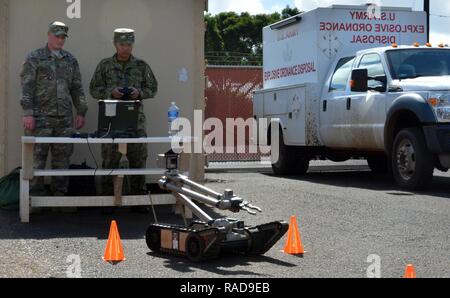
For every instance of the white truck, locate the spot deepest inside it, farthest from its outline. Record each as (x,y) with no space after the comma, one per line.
(341,83)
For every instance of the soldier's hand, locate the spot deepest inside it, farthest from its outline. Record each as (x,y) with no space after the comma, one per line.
(135,93)
(29,123)
(80,121)
(117,94)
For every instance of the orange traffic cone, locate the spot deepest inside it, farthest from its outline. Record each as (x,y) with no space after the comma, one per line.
(294,243)
(114,250)
(410,272)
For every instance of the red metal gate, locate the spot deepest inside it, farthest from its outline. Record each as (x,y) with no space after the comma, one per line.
(229,94)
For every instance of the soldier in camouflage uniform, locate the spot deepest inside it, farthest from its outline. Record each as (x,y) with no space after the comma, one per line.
(51,83)
(112,74)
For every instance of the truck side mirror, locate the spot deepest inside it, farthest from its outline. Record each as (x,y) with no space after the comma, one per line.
(359,81)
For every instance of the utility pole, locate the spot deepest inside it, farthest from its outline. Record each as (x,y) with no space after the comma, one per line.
(426,8)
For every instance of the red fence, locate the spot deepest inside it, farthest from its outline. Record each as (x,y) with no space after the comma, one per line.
(229,94)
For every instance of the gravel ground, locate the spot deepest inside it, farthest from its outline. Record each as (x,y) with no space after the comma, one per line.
(345,213)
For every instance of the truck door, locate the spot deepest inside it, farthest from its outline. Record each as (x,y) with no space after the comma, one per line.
(288,105)
(295,122)
(333,112)
(368,110)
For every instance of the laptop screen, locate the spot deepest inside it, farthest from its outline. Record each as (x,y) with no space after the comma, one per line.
(118,119)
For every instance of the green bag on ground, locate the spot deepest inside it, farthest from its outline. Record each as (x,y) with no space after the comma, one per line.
(9,190)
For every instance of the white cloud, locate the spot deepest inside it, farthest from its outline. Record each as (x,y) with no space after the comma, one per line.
(306,5)
(238,6)
(277,8)
(439,33)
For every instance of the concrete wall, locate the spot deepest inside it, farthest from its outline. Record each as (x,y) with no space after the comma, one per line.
(169,36)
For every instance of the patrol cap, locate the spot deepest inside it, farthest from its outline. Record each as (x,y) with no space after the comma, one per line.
(58,28)
(124,35)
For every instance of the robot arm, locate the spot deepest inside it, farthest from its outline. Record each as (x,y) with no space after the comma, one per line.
(227,201)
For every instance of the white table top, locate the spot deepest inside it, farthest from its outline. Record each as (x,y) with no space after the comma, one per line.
(151,140)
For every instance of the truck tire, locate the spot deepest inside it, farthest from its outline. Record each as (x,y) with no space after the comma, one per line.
(412,163)
(290,161)
(379,164)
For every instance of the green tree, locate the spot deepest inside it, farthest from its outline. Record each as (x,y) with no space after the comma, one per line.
(236,39)
(213,37)
(289,12)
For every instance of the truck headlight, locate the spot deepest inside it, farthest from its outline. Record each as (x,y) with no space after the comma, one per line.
(441,106)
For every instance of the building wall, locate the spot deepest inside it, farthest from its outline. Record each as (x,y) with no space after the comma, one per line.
(4,8)
(169,36)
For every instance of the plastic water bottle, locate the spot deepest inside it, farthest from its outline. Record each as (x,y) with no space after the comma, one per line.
(173,114)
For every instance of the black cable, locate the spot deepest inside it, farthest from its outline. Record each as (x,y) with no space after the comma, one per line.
(93,156)
(104,136)
(112,170)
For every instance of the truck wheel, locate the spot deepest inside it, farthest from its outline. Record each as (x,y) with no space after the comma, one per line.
(379,164)
(412,163)
(290,161)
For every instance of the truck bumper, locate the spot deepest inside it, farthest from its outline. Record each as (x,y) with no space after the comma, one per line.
(438,138)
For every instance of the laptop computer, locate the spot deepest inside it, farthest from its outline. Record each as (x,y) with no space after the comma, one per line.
(118,119)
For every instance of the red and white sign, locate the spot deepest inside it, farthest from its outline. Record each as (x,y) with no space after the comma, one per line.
(304,52)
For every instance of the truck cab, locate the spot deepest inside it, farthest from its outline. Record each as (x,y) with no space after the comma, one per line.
(393,100)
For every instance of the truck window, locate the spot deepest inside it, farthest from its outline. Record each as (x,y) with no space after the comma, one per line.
(341,74)
(375,67)
(413,63)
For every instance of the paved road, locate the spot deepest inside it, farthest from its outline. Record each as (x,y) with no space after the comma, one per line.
(344,213)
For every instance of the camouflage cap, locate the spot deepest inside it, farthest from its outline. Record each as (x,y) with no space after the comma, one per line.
(124,35)
(58,28)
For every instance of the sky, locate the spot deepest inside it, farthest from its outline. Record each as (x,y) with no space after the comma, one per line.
(440,10)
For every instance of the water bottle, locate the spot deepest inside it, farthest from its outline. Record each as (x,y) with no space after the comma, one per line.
(173,114)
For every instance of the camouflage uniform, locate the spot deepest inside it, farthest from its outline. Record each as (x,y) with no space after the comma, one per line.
(111,74)
(50,85)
